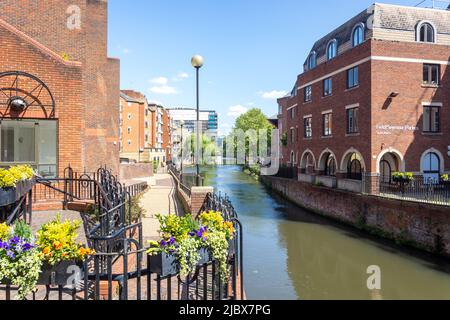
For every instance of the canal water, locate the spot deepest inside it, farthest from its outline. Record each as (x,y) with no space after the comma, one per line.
(293,254)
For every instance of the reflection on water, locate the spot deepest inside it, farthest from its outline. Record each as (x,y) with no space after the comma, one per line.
(293,254)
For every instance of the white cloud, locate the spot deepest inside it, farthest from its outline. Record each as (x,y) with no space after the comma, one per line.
(236,111)
(180,77)
(163,89)
(273,94)
(162,81)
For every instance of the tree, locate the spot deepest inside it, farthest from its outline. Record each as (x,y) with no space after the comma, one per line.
(208,150)
(252,121)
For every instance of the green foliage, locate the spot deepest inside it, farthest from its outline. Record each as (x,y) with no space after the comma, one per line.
(208,148)
(284,139)
(155,166)
(10,177)
(23,230)
(137,212)
(254,119)
(403,176)
(445,177)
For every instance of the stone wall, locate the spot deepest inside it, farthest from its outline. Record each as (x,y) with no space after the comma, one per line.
(419,225)
(130,171)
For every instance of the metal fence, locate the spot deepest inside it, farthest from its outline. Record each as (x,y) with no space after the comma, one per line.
(288,173)
(420,189)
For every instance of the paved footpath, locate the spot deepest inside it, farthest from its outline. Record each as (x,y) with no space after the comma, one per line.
(159,199)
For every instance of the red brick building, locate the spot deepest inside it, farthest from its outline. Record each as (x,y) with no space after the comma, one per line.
(64,110)
(145,132)
(373,99)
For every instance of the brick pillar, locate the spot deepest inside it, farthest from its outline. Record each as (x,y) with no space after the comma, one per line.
(372,183)
(198,196)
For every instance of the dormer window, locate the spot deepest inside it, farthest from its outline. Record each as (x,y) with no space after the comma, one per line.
(312,60)
(426,32)
(332,49)
(358,35)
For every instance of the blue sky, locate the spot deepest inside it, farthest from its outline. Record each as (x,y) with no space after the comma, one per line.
(253,49)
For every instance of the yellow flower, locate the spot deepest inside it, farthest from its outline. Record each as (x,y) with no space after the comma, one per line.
(46,251)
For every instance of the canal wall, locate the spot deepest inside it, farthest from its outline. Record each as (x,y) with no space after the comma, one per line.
(419,225)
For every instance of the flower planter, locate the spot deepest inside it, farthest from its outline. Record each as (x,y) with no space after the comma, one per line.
(167,265)
(12,195)
(59,274)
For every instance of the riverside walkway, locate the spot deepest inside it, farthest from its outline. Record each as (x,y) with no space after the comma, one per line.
(159,199)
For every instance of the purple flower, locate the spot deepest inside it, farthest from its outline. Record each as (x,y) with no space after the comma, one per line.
(172,241)
(10,254)
(26,247)
(192,233)
(14,240)
(163,244)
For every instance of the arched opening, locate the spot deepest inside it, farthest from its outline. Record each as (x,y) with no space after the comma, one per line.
(358,35)
(431,166)
(328,164)
(332,49)
(312,60)
(354,166)
(389,162)
(426,32)
(308,163)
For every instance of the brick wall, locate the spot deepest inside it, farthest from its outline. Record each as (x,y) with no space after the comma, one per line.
(47,23)
(423,226)
(134,171)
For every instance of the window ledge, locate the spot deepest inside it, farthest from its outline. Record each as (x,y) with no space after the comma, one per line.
(356,134)
(327,137)
(432,134)
(328,96)
(352,88)
(434,86)
(307,102)
(306,139)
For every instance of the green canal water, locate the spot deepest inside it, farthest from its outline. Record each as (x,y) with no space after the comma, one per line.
(293,254)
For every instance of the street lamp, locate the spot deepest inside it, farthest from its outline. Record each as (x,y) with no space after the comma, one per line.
(197,62)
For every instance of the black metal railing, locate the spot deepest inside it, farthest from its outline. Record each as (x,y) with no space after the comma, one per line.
(421,188)
(288,173)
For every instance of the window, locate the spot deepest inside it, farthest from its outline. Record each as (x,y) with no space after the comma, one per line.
(280,109)
(332,49)
(292,113)
(129,142)
(327,87)
(292,135)
(354,168)
(327,124)
(129,116)
(31,142)
(294,92)
(431,166)
(308,94)
(353,77)
(431,74)
(352,120)
(426,33)
(358,35)
(129,130)
(431,119)
(307,123)
(146,138)
(146,124)
(312,61)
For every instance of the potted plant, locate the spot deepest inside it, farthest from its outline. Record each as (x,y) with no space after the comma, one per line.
(186,244)
(403,179)
(20,262)
(14,183)
(59,250)
(445,180)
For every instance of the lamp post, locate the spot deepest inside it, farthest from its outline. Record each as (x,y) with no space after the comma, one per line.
(197,63)
(181,169)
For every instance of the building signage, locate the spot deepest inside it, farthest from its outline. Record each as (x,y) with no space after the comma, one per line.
(387,129)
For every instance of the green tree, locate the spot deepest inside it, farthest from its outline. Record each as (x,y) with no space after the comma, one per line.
(255,120)
(208,149)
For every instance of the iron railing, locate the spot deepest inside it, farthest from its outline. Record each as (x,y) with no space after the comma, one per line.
(288,173)
(420,189)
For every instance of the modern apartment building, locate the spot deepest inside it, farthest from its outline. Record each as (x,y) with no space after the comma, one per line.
(58,102)
(373,99)
(209,120)
(145,129)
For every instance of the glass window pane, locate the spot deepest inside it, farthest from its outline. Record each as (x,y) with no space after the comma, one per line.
(47,142)
(7,143)
(426,119)
(25,143)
